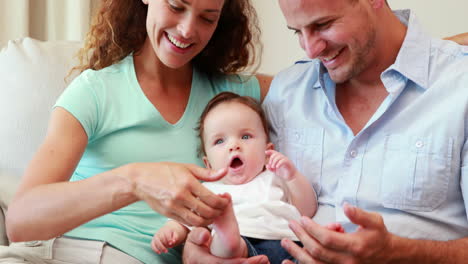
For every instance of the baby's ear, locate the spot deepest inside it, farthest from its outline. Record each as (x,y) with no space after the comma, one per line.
(206,162)
(270,146)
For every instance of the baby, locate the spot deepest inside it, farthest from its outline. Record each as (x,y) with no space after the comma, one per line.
(265,187)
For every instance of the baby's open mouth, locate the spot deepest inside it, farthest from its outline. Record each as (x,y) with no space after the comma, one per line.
(236,163)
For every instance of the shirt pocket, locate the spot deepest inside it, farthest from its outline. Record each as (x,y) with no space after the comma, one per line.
(304,147)
(415,172)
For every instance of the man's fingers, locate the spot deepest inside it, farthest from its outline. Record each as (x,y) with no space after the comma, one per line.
(296,252)
(330,239)
(362,218)
(199,236)
(321,243)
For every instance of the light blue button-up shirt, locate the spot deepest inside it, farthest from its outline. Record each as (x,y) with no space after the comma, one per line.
(409,163)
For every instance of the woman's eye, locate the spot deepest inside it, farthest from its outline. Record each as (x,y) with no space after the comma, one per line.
(246,136)
(219,141)
(208,20)
(176,8)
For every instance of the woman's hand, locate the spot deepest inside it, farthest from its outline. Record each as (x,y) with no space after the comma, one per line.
(174,190)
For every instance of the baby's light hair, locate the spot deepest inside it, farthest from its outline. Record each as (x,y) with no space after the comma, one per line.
(229,97)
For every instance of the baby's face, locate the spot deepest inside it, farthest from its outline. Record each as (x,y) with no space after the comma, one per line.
(235,139)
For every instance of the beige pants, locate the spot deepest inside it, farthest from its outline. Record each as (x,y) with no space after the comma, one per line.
(64,250)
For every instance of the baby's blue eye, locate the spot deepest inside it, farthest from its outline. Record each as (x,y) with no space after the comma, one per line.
(246,136)
(219,141)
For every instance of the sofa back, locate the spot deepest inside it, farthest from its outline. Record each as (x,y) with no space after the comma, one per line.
(32,76)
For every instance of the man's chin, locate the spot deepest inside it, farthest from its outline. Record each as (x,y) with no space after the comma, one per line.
(339,78)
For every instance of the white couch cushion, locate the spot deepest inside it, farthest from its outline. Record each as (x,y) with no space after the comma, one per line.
(32,76)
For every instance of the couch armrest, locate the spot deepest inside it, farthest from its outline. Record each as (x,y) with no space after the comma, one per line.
(3,237)
(8,184)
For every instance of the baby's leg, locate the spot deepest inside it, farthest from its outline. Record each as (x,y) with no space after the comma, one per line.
(227,242)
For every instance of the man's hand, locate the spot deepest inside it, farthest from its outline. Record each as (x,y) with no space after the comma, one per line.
(197,251)
(371,243)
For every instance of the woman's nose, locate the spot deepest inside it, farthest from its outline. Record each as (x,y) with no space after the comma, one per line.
(186,26)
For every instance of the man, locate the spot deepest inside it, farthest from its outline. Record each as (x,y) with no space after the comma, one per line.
(378,122)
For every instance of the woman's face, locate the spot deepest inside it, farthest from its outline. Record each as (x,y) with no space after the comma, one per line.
(180,29)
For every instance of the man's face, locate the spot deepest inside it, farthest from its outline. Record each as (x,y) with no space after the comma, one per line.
(341,33)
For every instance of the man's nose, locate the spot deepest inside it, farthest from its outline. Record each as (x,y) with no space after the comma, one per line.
(313,45)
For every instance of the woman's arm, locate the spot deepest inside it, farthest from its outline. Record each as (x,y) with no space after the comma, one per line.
(264,81)
(47,204)
(461,39)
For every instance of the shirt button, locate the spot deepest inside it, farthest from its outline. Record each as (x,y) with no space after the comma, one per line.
(353,153)
(298,136)
(419,144)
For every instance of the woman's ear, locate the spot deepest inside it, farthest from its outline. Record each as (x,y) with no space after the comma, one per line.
(206,162)
(145,1)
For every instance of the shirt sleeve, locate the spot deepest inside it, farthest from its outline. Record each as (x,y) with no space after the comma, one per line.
(464,173)
(80,100)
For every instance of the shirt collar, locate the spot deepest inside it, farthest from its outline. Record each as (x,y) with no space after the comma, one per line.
(322,71)
(413,58)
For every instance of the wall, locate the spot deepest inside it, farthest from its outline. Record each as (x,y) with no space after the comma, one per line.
(281,49)
(45,19)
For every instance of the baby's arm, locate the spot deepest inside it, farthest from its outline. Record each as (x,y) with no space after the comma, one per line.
(302,193)
(170,235)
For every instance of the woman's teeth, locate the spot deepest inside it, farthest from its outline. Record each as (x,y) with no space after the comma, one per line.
(178,43)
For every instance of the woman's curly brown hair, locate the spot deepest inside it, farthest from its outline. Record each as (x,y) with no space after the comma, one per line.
(119,28)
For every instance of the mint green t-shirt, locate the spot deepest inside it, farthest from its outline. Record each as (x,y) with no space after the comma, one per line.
(124,127)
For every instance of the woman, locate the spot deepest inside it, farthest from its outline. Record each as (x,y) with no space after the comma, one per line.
(121,145)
